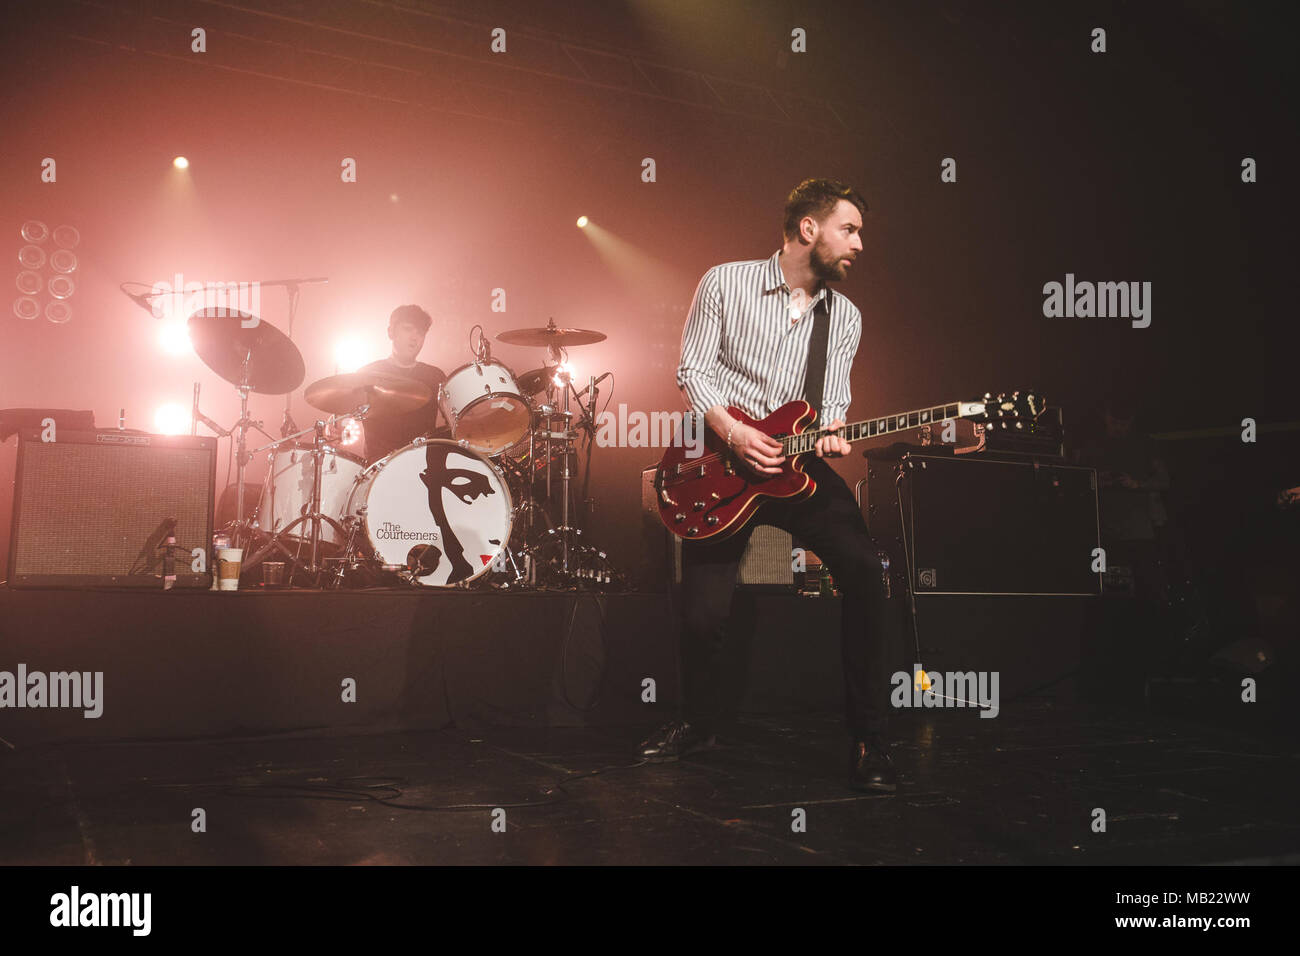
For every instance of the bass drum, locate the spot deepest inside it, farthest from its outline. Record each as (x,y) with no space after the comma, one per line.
(435,508)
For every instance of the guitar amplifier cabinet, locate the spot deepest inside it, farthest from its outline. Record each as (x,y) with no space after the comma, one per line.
(767,562)
(92,508)
(984,525)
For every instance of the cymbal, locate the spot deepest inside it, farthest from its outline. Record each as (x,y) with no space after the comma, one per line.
(224,338)
(560,338)
(530,383)
(386,394)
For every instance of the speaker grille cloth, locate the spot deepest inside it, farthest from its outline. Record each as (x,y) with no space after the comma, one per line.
(89,508)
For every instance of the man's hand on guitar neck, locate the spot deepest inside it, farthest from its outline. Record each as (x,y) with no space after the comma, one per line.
(832,446)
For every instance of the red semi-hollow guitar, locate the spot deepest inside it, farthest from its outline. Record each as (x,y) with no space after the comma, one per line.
(714,494)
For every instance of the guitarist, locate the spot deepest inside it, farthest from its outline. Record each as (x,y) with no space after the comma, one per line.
(747,342)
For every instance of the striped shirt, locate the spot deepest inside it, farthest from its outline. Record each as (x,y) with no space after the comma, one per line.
(741,348)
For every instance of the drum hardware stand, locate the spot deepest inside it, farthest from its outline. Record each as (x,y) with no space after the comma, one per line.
(242,531)
(291,288)
(347,560)
(564,537)
(241,527)
(315,568)
(520,576)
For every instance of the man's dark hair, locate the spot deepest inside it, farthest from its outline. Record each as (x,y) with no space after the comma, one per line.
(412,314)
(817,198)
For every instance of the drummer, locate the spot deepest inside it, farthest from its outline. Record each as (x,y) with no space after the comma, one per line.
(407,328)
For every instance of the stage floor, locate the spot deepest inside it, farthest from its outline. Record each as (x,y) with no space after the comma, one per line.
(1020,789)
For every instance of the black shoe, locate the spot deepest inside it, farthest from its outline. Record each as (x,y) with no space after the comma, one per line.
(673,740)
(871,768)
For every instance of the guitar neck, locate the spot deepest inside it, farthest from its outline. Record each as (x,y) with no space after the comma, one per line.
(885,425)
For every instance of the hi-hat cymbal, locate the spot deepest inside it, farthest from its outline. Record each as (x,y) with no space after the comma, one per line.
(385,394)
(560,338)
(224,339)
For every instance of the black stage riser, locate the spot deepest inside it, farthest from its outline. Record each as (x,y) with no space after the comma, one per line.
(186,664)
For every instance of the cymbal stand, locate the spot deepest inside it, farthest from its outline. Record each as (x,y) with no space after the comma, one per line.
(577,562)
(241,528)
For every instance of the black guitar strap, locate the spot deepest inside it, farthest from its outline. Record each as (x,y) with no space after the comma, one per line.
(814,382)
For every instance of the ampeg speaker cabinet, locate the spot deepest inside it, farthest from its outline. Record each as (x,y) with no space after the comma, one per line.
(983,525)
(768,560)
(94,508)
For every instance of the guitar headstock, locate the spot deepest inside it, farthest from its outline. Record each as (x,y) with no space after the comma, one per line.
(1009,411)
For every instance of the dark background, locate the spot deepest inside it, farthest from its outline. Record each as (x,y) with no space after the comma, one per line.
(1123,166)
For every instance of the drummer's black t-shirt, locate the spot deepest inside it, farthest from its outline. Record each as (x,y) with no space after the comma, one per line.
(387,433)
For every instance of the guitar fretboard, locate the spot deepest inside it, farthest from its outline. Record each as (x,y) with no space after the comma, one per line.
(872,427)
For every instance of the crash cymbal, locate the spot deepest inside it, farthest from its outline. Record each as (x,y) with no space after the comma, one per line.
(530,383)
(560,338)
(223,339)
(386,394)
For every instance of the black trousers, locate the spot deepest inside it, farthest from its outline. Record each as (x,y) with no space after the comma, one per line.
(830,524)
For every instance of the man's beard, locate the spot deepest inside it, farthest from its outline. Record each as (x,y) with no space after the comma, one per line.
(828,270)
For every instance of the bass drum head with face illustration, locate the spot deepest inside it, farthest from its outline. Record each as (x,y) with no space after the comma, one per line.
(437,507)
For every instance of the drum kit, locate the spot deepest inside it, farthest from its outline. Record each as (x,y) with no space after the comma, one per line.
(472,503)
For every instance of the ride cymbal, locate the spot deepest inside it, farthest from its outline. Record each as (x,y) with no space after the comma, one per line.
(551,336)
(224,339)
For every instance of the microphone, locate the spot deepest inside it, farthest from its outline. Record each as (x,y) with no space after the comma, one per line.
(592,386)
(169,557)
(198,416)
(142,299)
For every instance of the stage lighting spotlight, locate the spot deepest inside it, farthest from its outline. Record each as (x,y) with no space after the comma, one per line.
(174,337)
(29,283)
(26,307)
(35,231)
(58,312)
(582,222)
(61,287)
(348,355)
(349,431)
(31,257)
(66,237)
(63,260)
(562,374)
(180,162)
(171,419)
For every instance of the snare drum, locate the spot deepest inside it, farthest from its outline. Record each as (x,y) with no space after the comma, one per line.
(484,406)
(286,493)
(436,508)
